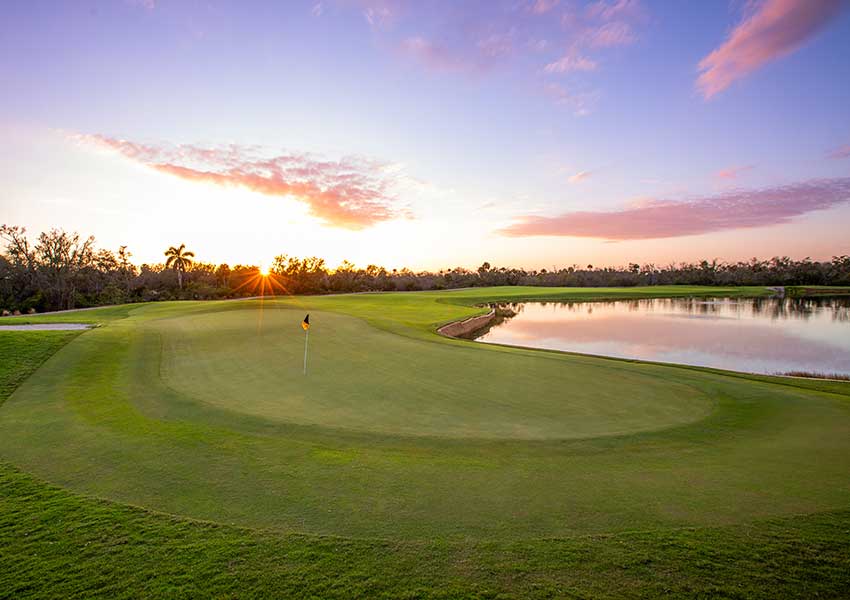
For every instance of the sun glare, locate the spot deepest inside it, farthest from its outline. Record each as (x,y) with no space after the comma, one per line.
(264,271)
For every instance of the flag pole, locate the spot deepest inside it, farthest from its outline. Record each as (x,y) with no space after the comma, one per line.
(306,337)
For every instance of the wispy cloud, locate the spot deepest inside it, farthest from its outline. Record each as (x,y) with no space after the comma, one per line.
(770,29)
(352,193)
(570,62)
(615,9)
(737,209)
(840,152)
(578,102)
(734,172)
(146,4)
(540,7)
(608,35)
(379,14)
(548,39)
(579,177)
(602,24)
(435,56)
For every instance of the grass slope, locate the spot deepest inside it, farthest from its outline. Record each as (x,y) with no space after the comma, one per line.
(479,512)
(21,354)
(55,544)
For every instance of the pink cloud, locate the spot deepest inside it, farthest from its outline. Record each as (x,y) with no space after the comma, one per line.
(611,34)
(616,9)
(351,193)
(435,56)
(737,209)
(602,24)
(772,29)
(570,62)
(549,38)
(841,152)
(579,177)
(540,7)
(646,202)
(733,172)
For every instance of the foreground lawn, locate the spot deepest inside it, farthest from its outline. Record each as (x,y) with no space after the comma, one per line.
(56,544)
(405,464)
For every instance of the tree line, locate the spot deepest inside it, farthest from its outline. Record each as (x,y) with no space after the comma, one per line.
(60,270)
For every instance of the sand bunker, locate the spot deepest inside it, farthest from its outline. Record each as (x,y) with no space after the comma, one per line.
(46,327)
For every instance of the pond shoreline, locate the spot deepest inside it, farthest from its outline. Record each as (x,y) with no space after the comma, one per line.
(465,327)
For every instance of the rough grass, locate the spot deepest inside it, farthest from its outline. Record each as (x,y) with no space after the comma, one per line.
(697,506)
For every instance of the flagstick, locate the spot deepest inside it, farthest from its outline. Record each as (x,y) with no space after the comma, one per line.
(306,337)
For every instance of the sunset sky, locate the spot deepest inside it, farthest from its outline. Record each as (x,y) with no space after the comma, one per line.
(431,134)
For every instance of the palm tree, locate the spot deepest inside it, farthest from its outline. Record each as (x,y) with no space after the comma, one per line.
(179,259)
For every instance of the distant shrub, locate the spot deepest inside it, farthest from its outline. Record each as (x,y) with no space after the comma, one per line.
(814,375)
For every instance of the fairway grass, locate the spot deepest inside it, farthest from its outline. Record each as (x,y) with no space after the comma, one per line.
(484,469)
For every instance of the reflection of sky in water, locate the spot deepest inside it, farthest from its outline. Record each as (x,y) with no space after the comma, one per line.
(755,335)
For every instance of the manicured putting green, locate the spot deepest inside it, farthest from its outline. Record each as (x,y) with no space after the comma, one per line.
(365,379)
(202,410)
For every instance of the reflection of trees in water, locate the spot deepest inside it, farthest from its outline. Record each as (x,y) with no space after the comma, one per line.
(504,312)
(514,307)
(837,307)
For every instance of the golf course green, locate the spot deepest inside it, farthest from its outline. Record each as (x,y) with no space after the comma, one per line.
(201,411)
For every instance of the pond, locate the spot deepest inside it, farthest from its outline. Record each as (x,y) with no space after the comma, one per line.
(755,335)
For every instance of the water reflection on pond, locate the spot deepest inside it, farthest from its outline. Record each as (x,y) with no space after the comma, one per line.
(757,335)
